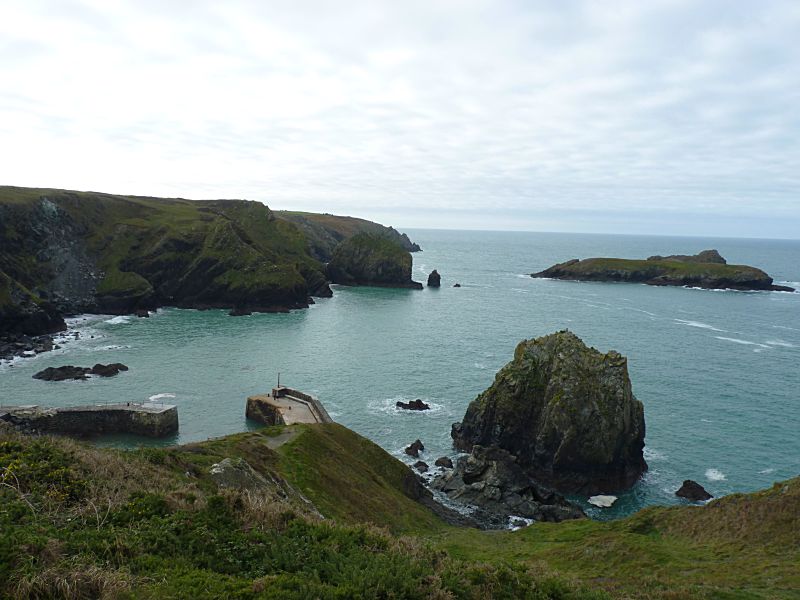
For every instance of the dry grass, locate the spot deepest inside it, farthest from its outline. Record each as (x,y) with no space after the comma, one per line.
(73,582)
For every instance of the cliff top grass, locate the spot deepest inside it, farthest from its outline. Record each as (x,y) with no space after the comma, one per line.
(668,267)
(79,521)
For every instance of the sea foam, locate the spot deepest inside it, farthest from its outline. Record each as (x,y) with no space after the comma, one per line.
(715,475)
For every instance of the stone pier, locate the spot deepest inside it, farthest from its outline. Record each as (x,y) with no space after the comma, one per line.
(147,419)
(286,406)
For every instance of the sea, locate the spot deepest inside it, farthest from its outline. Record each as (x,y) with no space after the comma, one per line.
(718,372)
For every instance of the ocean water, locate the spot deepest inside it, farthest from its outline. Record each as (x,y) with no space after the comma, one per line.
(717,371)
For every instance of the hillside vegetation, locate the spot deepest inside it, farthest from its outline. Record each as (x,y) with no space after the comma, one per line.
(335,517)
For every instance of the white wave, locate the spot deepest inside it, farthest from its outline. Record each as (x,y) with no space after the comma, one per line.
(515,522)
(780,343)
(155,397)
(652,454)
(119,320)
(706,420)
(785,327)
(738,341)
(523,276)
(697,324)
(767,471)
(715,475)
(480,366)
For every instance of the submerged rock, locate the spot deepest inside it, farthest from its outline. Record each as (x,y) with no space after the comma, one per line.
(413,405)
(70,372)
(434,279)
(491,479)
(566,412)
(691,490)
(414,449)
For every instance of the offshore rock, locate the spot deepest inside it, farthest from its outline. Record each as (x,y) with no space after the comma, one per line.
(414,449)
(444,461)
(413,405)
(434,279)
(70,372)
(566,412)
(421,466)
(693,491)
(369,259)
(491,479)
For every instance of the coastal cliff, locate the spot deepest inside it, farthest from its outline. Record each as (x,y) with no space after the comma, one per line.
(65,252)
(566,412)
(324,231)
(705,270)
(369,259)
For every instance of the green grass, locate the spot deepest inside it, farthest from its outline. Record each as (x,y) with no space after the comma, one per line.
(642,270)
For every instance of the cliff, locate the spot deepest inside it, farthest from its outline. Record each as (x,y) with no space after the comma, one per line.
(369,259)
(324,232)
(705,270)
(566,412)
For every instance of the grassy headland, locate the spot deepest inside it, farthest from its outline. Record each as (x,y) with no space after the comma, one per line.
(83,522)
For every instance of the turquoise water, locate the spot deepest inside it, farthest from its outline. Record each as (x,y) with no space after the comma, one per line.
(717,371)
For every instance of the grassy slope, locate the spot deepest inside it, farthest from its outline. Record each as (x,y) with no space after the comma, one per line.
(137,523)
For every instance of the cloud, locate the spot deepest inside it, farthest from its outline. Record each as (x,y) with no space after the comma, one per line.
(498,112)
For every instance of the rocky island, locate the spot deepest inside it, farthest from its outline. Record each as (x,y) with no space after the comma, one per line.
(565,412)
(704,270)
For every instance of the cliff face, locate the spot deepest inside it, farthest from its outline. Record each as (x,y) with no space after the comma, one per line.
(705,270)
(566,412)
(324,232)
(91,252)
(369,259)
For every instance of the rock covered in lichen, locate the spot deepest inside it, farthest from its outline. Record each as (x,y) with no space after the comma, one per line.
(566,412)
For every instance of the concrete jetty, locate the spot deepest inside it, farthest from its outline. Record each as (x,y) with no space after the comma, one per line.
(148,419)
(286,406)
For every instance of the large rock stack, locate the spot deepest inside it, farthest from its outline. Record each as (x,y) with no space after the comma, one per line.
(566,412)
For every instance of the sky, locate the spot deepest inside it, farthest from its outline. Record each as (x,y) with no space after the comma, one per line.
(657,117)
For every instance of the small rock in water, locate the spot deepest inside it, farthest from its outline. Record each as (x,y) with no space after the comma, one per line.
(434,279)
(108,370)
(691,490)
(421,466)
(240,312)
(414,449)
(457,285)
(602,501)
(444,462)
(413,405)
(142,313)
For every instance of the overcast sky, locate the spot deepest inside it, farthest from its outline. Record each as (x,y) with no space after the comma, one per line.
(678,117)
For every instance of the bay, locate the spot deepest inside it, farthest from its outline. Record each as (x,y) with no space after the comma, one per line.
(717,371)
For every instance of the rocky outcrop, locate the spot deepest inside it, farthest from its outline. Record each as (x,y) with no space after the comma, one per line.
(237,474)
(444,462)
(69,372)
(414,449)
(566,412)
(413,405)
(421,466)
(676,270)
(491,479)
(434,279)
(12,345)
(706,256)
(368,259)
(693,491)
